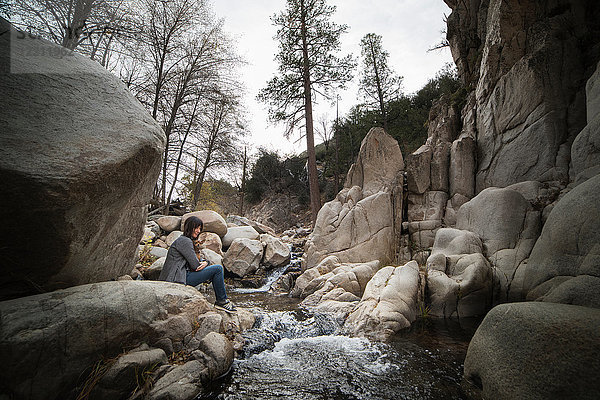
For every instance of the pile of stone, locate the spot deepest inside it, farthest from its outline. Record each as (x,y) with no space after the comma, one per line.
(504,244)
(112,339)
(243,247)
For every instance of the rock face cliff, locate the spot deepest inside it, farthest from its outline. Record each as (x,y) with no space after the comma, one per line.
(532,72)
(498,204)
(525,136)
(530,68)
(78,161)
(526,64)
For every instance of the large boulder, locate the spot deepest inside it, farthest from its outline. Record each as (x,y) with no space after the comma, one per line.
(353,228)
(331,273)
(212,220)
(377,165)
(50,339)
(182,382)
(568,249)
(154,270)
(358,225)
(211,241)
(337,303)
(79,160)
(585,151)
(351,278)
(496,215)
(158,251)
(187,381)
(211,257)
(333,287)
(219,350)
(276,252)
(508,224)
(243,256)
(536,350)
(461,287)
(243,221)
(389,303)
(173,236)
(122,377)
(459,278)
(169,223)
(238,232)
(592,95)
(237,220)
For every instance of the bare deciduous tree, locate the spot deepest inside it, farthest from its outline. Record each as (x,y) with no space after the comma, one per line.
(187,57)
(85,25)
(221,127)
(324,130)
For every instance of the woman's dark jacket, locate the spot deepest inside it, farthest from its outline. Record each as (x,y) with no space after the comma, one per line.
(181,258)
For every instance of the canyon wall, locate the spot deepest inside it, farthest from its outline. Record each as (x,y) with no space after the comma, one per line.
(532,75)
(498,204)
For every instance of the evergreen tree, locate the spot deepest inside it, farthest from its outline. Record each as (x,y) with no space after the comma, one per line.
(378,83)
(308,41)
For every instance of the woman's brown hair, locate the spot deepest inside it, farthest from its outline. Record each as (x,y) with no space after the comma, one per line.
(190,225)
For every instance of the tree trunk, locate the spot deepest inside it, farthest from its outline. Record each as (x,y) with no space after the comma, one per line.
(187,132)
(313,182)
(105,55)
(163,189)
(379,90)
(337,146)
(200,182)
(337,163)
(243,185)
(81,12)
(179,95)
(219,115)
(194,179)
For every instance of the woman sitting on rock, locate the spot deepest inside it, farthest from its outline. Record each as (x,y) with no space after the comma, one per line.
(182,265)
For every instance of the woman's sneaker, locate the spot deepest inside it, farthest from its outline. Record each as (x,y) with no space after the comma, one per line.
(226,306)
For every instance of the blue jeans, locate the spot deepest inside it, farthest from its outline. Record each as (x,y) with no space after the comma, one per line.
(213,273)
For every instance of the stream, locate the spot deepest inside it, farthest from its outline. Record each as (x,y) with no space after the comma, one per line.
(290,354)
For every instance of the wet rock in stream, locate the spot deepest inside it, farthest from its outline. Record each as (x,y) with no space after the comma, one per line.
(273,327)
(294,355)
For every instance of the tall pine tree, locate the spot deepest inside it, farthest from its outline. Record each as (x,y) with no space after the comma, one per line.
(378,83)
(308,42)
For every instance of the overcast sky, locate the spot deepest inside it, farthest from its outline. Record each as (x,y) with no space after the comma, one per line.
(408,27)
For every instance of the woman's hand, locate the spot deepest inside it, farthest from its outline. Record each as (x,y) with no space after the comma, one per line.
(202,265)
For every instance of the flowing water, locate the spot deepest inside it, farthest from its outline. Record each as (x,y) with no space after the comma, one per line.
(290,354)
(276,273)
(269,281)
